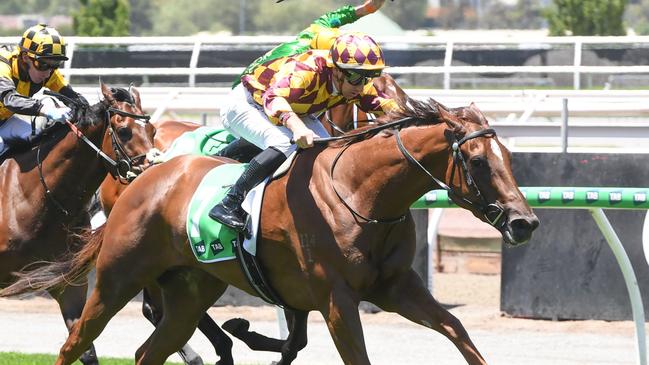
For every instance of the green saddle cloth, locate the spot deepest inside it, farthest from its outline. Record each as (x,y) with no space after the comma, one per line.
(211,241)
(205,141)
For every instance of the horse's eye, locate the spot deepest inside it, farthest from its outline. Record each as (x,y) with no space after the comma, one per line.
(125,134)
(479,162)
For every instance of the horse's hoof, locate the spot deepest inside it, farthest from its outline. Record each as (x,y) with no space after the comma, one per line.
(236,326)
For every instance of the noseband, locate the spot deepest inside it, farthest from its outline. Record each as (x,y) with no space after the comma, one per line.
(125,171)
(492,212)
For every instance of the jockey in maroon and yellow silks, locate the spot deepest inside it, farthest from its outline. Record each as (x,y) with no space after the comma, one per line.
(321,34)
(303,84)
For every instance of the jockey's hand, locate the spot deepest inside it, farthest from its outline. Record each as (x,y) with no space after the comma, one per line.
(302,135)
(57,114)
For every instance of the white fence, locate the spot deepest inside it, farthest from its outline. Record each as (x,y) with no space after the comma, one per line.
(196,44)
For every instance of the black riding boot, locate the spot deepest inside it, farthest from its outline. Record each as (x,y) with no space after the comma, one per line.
(240,150)
(228,211)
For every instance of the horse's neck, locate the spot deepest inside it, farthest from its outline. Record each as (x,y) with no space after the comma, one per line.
(383,181)
(72,170)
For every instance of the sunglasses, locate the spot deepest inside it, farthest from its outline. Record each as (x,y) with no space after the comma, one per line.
(355,79)
(46,66)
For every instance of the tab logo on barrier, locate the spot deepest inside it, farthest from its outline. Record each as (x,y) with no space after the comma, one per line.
(615,197)
(639,198)
(592,196)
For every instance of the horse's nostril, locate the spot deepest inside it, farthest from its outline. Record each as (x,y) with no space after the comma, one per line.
(524,225)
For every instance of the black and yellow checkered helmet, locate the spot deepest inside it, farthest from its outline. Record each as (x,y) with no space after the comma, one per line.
(41,41)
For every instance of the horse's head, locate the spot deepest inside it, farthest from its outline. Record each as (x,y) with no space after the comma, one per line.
(480,175)
(130,135)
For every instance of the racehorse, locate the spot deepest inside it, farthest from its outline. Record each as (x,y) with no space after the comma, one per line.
(345,232)
(337,121)
(45,190)
(162,134)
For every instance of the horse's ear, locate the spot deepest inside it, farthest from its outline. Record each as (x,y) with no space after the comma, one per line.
(449,118)
(136,97)
(478,114)
(108,94)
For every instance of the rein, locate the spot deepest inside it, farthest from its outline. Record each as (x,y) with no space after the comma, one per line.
(492,212)
(122,167)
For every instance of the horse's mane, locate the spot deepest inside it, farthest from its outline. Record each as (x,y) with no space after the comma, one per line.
(415,111)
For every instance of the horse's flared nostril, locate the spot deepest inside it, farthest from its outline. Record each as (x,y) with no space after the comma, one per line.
(521,228)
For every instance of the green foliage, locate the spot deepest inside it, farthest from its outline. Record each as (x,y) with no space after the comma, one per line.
(45,7)
(409,14)
(102,18)
(586,17)
(525,14)
(637,16)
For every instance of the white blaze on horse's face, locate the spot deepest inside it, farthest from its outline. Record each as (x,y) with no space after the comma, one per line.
(496,149)
(140,123)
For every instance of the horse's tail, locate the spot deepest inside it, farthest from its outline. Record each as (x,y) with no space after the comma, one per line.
(58,274)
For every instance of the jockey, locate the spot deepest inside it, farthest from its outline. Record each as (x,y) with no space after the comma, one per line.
(278,102)
(319,35)
(30,66)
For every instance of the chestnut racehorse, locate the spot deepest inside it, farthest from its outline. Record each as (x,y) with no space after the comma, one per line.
(44,193)
(345,235)
(336,121)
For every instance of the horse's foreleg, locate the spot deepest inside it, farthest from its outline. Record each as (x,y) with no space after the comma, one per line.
(407,296)
(344,323)
(219,339)
(152,310)
(187,294)
(297,336)
(71,300)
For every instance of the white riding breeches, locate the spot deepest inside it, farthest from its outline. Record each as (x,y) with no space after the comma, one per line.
(246,119)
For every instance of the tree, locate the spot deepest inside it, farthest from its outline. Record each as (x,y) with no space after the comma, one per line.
(637,16)
(586,17)
(102,18)
(410,14)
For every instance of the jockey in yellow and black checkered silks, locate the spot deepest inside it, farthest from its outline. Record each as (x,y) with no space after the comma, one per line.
(41,42)
(24,70)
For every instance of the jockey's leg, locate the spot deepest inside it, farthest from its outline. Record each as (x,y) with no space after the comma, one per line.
(229,211)
(245,119)
(14,130)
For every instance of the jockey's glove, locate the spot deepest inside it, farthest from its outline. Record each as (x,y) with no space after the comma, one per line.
(57,114)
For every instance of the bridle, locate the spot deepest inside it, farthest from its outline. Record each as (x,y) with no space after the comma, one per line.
(492,212)
(122,169)
(337,129)
(128,168)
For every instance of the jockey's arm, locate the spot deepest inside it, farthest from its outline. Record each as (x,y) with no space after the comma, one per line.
(277,106)
(369,7)
(15,102)
(70,93)
(371,100)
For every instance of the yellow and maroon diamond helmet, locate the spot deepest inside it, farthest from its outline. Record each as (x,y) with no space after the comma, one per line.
(41,41)
(358,52)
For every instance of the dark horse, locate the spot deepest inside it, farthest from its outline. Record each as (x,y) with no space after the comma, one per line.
(45,191)
(346,234)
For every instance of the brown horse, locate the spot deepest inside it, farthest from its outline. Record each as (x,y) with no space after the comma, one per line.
(45,191)
(345,235)
(336,121)
(162,135)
